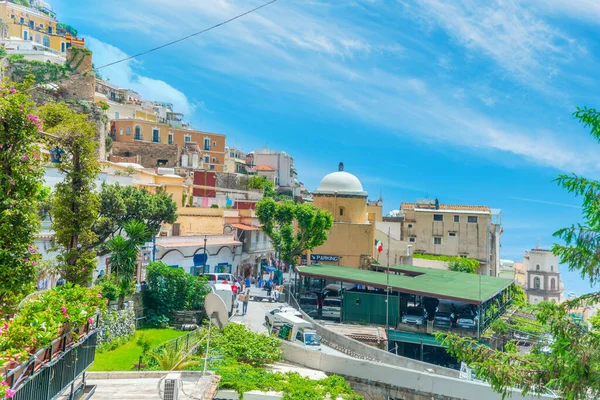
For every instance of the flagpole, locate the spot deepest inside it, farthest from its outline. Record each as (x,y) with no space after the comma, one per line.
(387,295)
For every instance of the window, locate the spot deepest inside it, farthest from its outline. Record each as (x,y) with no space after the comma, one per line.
(121,132)
(50,30)
(128,130)
(537,267)
(25,35)
(22,20)
(341,211)
(300,337)
(117,115)
(536,283)
(138,133)
(206,159)
(409,226)
(552,284)
(214,159)
(457,218)
(551,268)
(437,240)
(471,219)
(31,24)
(206,144)
(187,138)
(214,144)
(211,167)
(452,234)
(41,25)
(12,16)
(62,47)
(438,217)
(156,135)
(170,137)
(412,239)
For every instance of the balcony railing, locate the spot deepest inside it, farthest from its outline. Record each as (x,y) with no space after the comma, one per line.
(54,369)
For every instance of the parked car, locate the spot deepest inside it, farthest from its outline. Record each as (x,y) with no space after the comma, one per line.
(332,290)
(331,308)
(414,315)
(219,278)
(271,316)
(443,320)
(466,322)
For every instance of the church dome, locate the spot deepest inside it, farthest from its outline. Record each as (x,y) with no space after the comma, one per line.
(341,183)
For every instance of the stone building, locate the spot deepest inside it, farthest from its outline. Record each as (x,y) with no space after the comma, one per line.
(454,230)
(351,240)
(543,281)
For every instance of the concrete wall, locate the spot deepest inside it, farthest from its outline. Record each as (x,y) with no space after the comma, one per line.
(421,262)
(149,153)
(343,209)
(351,242)
(419,384)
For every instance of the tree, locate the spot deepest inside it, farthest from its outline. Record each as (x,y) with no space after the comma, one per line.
(122,204)
(462,266)
(76,204)
(572,365)
(262,183)
(293,228)
(124,254)
(20,185)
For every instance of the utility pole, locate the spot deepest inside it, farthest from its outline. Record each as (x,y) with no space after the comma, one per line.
(387,294)
(204,266)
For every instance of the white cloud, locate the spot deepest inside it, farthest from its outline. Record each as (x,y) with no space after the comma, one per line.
(124,75)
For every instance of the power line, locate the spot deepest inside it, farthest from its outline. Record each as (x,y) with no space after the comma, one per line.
(187,37)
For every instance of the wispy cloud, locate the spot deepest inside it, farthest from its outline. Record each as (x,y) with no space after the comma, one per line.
(124,75)
(551,203)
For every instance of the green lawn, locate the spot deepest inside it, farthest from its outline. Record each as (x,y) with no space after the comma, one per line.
(123,357)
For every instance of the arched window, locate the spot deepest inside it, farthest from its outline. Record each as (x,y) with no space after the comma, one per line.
(341,211)
(128,130)
(552,284)
(536,283)
(46,41)
(537,267)
(138,133)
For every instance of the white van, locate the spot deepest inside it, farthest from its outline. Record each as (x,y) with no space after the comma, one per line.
(299,331)
(219,278)
(224,292)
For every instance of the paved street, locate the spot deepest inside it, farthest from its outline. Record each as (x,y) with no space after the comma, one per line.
(255,320)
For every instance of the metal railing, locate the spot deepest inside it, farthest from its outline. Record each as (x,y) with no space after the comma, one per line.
(183,343)
(51,370)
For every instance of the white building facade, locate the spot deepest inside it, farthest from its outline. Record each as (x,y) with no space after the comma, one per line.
(543,281)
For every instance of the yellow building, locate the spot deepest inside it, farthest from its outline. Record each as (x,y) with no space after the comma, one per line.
(35,24)
(351,240)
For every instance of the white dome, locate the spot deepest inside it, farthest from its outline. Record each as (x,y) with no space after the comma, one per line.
(341,183)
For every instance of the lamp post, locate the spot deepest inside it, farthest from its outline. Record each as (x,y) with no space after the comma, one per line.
(204,266)
(387,294)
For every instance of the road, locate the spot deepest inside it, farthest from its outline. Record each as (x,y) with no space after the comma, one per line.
(255,320)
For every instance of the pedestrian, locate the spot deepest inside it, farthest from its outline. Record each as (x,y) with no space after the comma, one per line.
(274,292)
(234,290)
(244,298)
(268,287)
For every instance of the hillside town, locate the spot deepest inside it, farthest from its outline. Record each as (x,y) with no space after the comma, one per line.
(141,256)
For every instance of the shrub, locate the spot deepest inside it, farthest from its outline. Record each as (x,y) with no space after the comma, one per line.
(238,342)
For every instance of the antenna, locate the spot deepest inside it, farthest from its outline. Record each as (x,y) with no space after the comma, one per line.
(538,245)
(217,313)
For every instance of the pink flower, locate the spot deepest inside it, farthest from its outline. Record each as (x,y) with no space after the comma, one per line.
(12,182)
(33,263)
(64,311)
(5,327)
(91,320)
(10,393)
(99,295)
(27,260)
(12,90)
(24,158)
(34,340)
(3,383)
(84,268)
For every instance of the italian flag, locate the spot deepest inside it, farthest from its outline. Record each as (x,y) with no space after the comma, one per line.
(378,246)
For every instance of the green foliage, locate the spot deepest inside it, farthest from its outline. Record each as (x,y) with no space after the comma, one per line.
(113,344)
(123,256)
(76,203)
(143,343)
(262,183)
(122,204)
(458,264)
(214,206)
(238,342)
(517,294)
(25,3)
(65,27)
(293,228)
(20,190)
(41,319)
(169,359)
(109,289)
(2,52)
(108,143)
(572,366)
(500,326)
(172,289)
(42,71)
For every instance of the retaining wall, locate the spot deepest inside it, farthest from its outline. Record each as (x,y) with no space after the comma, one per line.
(117,323)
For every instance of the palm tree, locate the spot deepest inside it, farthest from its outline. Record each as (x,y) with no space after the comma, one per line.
(170,359)
(124,253)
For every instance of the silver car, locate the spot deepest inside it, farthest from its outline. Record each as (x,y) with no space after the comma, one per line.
(414,315)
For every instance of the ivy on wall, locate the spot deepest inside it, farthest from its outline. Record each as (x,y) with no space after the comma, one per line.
(42,71)
(458,264)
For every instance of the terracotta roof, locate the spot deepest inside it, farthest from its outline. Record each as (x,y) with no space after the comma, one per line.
(264,168)
(245,227)
(458,207)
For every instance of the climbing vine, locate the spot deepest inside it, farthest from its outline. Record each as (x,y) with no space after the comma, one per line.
(42,71)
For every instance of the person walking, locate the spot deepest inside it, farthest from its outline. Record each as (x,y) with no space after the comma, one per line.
(244,298)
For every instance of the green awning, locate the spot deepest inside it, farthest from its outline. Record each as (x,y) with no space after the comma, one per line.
(417,338)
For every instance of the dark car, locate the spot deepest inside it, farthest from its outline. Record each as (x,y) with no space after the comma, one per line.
(466,322)
(443,320)
(414,315)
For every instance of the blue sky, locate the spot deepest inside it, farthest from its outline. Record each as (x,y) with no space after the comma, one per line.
(466,101)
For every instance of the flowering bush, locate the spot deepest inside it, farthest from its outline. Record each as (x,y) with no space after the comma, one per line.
(45,318)
(20,186)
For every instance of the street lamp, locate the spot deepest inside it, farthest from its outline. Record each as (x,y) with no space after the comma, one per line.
(204,266)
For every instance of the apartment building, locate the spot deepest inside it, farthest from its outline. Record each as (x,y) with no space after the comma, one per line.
(286,177)
(454,230)
(135,136)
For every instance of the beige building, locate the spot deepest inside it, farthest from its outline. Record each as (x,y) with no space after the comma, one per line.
(542,278)
(235,161)
(454,230)
(351,239)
